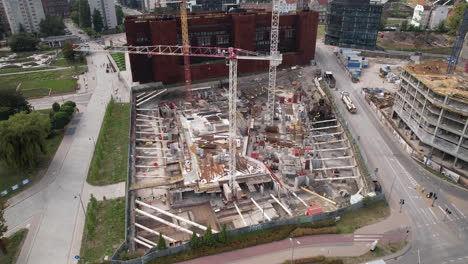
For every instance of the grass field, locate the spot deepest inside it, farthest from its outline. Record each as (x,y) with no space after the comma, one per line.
(109,164)
(119,58)
(109,232)
(385,45)
(373,213)
(12,70)
(321,32)
(62,62)
(14,246)
(59,81)
(10,177)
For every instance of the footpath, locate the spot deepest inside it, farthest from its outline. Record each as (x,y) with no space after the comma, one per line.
(391,230)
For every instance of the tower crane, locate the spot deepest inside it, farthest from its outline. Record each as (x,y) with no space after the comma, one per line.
(276,59)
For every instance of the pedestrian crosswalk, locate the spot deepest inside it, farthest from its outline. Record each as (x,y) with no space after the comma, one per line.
(366,238)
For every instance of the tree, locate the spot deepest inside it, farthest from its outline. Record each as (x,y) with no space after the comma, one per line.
(441,27)
(55,107)
(3,227)
(67,109)
(60,119)
(22,139)
(383,22)
(68,51)
(404,25)
(23,42)
(12,102)
(97,21)
(195,241)
(52,26)
(75,5)
(91,217)
(70,103)
(161,242)
(455,20)
(208,239)
(223,235)
(85,14)
(120,15)
(75,17)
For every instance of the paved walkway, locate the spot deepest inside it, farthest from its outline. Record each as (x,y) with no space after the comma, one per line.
(49,209)
(392,229)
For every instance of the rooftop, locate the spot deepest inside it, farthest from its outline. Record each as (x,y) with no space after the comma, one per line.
(433,75)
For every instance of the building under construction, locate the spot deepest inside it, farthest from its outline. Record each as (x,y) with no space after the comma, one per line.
(248,30)
(300,164)
(353,23)
(432,107)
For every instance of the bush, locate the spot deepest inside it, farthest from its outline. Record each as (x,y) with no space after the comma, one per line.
(298,232)
(60,120)
(67,109)
(70,103)
(23,42)
(55,107)
(316,259)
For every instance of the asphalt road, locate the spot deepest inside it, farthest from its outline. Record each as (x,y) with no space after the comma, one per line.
(435,240)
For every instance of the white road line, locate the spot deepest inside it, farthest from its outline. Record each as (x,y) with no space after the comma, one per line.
(368,235)
(365,239)
(430,210)
(458,210)
(427,215)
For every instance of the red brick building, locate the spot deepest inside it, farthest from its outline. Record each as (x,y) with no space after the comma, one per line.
(249,31)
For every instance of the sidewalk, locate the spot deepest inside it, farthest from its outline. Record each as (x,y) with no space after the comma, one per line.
(392,229)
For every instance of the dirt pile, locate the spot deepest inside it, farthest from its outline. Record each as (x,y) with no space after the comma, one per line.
(417,39)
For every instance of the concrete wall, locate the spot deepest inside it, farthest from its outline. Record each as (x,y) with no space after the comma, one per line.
(438,15)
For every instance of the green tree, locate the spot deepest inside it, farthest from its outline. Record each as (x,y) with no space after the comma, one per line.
(404,25)
(12,102)
(67,109)
(23,42)
(3,227)
(120,15)
(75,17)
(441,27)
(97,21)
(383,22)
(85,14)
(68,51)
(75,5)
(22,139)
(55,107)
(52,26)
(208,239)
(60,119)
(195,241)
(223,235)
(91,217)
(454,21)
(161,243)
(70,103)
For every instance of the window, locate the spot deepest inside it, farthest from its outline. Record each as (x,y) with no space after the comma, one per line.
(259,35)
(222,40)
(204,41)
(288,33)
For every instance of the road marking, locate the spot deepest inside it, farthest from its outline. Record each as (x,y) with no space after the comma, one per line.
(365,239)
(368,235)
(427,216)
(458,210)
(430,210)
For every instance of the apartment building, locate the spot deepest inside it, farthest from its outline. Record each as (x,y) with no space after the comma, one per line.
(433,109)
(56,7)
(27,13)
(107,9)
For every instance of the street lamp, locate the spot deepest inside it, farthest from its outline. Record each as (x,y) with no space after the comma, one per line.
(292,249)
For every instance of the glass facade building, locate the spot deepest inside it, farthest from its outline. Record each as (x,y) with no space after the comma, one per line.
(353,23)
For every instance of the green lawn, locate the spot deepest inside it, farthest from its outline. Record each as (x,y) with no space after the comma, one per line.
(10,177)
(109,232)
(119,59)
(12,70)
(14,246)
(61,62)
(59,81)
(321,32)
(109,164)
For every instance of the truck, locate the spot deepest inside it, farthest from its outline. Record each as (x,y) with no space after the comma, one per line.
(330,79)
(348,102)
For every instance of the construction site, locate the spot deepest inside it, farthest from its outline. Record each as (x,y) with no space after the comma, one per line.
(299,164)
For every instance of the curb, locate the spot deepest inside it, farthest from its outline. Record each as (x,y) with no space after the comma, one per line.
(398,254)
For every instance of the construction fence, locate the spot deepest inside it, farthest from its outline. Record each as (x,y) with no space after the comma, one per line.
(154,253)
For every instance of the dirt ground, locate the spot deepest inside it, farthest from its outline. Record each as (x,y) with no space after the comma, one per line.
(415,40)
(370,77)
